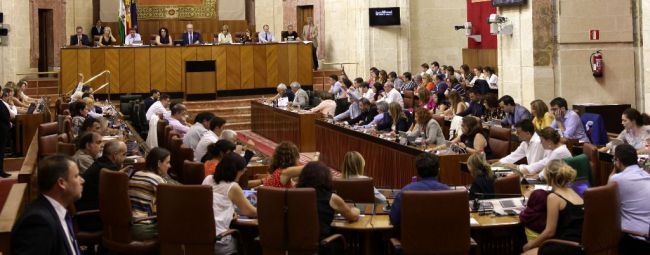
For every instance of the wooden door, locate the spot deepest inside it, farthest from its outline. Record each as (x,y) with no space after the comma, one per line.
(302,13)
(46,42)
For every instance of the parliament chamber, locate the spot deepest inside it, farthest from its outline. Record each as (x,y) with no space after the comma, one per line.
(324,127)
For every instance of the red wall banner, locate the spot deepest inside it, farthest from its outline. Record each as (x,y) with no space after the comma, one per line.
(478,12)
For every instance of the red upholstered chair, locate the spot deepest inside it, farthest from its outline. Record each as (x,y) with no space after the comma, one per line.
(161,133)
(441,122)
(175,158)
(499,141)
(601,228)
(288,221)
(594,161)
(115,212)
(357,190)
(193,172)
(167,137)
(48,138)
(434,222)
(509,185)
(65,148)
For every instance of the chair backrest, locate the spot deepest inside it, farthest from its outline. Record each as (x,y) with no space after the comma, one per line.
(176,159)
(594,162)
(441,121)
(161,132)
(594,128)
(65,148)
(115,206)
(47,145)
(185,219)
(499,141)
(166,136)
(49,128)
(601,229)
(193,172)
(284,217)
(357,190)
(435,219)
(409,99)
(581,164)
(507,185)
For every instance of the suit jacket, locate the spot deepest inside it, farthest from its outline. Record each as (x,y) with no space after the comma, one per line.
(365,117)
(195,37)
(313,34)
(97,32)
(148,102)
(39,231)
(84,40)
(5,118)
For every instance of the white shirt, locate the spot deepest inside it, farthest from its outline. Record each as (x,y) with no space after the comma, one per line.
(61,212)
(12,109)
(559,153)
(493,81)
(393,96)
(202,147)
(222,206)
(224,38)
(370,95)
(157,108)
(532,150)
(193,136)
(265,37)
(130,39)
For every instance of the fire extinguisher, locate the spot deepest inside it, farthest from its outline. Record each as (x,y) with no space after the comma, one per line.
(596,62)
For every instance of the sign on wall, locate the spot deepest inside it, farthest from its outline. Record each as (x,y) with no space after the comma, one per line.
(166,9)
(594,35)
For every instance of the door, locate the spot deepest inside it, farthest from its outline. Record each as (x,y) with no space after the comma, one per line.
(45,40)
(302,13)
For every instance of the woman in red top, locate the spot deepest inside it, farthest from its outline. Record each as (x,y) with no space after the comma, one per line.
(214,154)
(428,80)
(283,166)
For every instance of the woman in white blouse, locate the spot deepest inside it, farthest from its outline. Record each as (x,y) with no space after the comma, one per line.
(635,132)
(491,76)
(224,36)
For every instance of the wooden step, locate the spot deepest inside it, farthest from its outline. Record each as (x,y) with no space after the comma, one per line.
(223,110)
(218,103)
(238,126)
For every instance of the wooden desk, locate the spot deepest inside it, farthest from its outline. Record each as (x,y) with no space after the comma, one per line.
(140,69)
(281,125)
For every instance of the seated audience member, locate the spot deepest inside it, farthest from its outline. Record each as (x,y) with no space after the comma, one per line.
(214,154)
(80,39)
(533,217)
(164,38)
(483,176)
(284,166)
(336,87)
(290,35)
(492,110)
(190,36)
(466,75)
(79,113)
(476,108)
(45,225)
(427,166)
(633,189)
(90,125)
(419,82)
(409,83)
(550,140)
(424,69)
(367,92)
(354,94)
(427,82)
(478,75)
(542,118)
(159,107)
(514,112)
(196,131)
(530,148)
(177,119)
(142,192)
(397,81)
(112,158)
(97,30)
(155,94)
(300,98)
(283,92)
(473,139)
(318,176)
(391,95)
(454,85)
(397,120)
(327,107)
(382,113)
(15,100)
(374,75)
(210,137)
(456,104)
(435,68)
(567,121)
(441,85)
(92,109)
(224,36)
(20,93)
(491,77)
(247,148)
(226,196)
(426,99)
(353,166)
(133,38)
(107,39)
(564,216)
(427,128)
(368,112)
(266,36)
(88,148)
(635,130)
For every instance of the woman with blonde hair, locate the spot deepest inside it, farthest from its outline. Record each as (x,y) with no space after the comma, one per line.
(564,213)
(542,118)
(107,38)
(483,176)
(353,166)
(224,36)
(456,104)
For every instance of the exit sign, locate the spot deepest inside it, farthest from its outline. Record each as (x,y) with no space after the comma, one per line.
(594,35)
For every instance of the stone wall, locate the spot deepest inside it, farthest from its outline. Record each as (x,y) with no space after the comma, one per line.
(15,48)
(644,52)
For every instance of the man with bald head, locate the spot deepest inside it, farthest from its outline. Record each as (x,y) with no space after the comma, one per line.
(112,158)
(191,37)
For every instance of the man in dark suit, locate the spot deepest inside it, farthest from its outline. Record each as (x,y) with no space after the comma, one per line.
(155,94)
(191,37)
(7,112)
(46,226)
(97,30)
(80,39)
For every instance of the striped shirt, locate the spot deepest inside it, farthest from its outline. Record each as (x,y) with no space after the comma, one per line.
(142,193)
(459,88)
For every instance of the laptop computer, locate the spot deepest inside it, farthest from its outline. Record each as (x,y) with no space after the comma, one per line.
(580,185)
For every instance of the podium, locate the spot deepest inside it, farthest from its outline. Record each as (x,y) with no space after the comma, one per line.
(200,77)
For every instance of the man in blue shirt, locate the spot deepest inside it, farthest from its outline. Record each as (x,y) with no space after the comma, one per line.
(568,122)
(476,108)
(427,166)
(514,112)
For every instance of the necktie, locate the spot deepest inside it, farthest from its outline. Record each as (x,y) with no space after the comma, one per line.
(73,239)
(190,38)
(267,36)
(78,40)
(309,33)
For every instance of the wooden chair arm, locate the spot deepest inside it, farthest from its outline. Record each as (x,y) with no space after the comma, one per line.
(635,233)
(86,213)
(563,242)
(138,220)
(229,232)
(397,244)
(326,241)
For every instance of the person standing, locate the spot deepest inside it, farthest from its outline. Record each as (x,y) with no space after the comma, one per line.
(97,30)
(310,33)
(7,112)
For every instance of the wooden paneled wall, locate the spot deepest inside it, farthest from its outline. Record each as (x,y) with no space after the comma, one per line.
(139,69)
(480,57)
(207,27)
